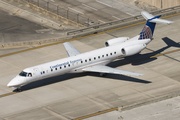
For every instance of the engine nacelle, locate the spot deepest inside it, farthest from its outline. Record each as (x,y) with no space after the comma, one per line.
(133,49)
(115,41)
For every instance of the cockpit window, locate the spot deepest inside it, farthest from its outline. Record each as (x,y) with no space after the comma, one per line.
(23,74)
(30,74)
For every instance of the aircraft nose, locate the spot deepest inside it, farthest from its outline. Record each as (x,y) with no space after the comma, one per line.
(15,82)
(11,83)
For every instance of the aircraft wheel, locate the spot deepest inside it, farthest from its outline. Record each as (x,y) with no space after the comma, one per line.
(103,74)
(18,90)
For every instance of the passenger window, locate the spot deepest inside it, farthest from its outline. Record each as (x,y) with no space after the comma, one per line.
(43,72)
(81,61)
(94,58)
(102,55)
(98,56)
(85,60)
(64,66)
(106,54)
(110,53)
(59,67)
(114,52)
(69,65)
(51,69)
(55,68)
(89,59)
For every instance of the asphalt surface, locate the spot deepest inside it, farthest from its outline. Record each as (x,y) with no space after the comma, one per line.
(71,96)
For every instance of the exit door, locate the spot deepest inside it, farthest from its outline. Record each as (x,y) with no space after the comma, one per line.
(36,73)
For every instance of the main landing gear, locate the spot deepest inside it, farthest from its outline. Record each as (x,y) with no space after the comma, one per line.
(103,74)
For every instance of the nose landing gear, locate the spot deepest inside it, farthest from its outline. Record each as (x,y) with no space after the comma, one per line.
(18,90)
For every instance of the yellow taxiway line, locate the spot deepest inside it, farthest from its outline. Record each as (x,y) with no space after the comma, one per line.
(79,37)
(105,111)
(7,94)
(113,108)
(98,113)
(165,53)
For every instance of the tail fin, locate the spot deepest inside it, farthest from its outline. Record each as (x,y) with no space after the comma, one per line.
(148,30)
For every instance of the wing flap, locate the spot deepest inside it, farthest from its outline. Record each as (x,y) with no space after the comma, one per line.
(71,51)
(106,69)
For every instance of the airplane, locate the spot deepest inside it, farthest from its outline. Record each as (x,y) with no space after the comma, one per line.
(93,61)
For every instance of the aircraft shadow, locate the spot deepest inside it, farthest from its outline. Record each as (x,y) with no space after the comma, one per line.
(48,81)
(70,76)
(140,59)
(121,77)
(137,59)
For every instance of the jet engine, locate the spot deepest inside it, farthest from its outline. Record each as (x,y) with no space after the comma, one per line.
(133,49)
(115,41)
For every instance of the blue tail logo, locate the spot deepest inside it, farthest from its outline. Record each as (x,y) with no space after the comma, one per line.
(146,33)
(148,30)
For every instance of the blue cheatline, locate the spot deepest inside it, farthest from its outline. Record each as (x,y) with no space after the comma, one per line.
(148,30)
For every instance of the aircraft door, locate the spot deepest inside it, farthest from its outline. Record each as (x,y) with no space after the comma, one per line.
(36,73)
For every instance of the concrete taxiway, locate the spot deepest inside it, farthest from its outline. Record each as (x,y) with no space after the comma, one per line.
(71,96)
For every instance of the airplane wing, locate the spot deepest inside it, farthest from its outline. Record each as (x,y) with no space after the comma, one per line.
(71,51)
(106,69)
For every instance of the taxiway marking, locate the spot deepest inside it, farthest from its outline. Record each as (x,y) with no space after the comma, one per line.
(116,17)
(75,10)
(11,93)
(89,6)
(101,21)
(7,94)
(103,3)
(98,113)
(81,38)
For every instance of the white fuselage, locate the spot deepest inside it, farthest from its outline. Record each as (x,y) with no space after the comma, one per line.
(75,63)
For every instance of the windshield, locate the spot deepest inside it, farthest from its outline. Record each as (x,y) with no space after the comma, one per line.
(23,74)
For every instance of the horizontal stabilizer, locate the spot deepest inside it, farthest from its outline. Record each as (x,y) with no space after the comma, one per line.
(106,69)
(153,19)
(146,15)
(161,21)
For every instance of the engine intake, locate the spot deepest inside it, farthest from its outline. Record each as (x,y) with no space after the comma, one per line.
(115,41)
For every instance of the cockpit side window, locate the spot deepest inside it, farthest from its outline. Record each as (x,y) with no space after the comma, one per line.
(23,74)
(30,74)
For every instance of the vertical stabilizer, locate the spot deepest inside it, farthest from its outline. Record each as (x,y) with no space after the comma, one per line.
(148,30)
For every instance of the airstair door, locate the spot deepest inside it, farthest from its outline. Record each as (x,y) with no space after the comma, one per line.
(36,73)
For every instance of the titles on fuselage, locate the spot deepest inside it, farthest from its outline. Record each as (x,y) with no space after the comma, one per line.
(65,63)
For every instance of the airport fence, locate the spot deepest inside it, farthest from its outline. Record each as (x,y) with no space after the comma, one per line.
(66,13)
(118,23)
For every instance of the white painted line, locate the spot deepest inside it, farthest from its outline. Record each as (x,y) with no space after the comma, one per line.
(89,6)
(116,17)
(75,10)
(101,21)
(129,14)
(103,3)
